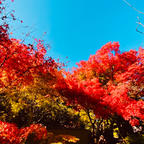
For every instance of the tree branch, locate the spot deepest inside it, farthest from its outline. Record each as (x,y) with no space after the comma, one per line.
(133,7)
(139,24)
(138,11)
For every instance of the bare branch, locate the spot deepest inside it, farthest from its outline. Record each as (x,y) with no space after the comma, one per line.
(133,7)
(139,24)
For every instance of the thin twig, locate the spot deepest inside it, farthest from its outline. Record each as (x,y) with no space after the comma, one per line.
(139,23)
(133,7)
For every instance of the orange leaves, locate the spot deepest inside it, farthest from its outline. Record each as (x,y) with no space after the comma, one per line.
(68,138)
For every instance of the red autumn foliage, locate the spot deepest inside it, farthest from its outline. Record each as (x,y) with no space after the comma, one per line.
(10,134)
(20,62)
(107,82)
(39,131)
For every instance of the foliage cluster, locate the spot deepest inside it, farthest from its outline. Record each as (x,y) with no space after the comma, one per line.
(27,96)
(111,84)
(35,133)
(104,94)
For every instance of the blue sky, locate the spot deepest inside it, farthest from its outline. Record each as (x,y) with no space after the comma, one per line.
(78,28)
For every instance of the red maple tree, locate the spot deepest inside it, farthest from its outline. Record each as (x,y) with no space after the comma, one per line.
(110,82)
(19,62)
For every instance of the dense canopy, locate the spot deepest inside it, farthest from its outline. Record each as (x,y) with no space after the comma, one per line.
(110,82)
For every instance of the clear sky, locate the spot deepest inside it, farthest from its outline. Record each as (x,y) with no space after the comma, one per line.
(78,28)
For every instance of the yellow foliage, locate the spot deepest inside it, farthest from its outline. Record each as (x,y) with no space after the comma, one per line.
(68,138)
(57,143)
(15,107)
(61,138)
